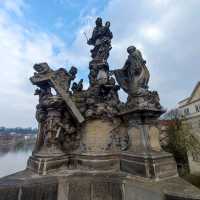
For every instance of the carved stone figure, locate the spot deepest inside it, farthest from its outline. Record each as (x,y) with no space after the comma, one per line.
(51,108)
(101,40)
(60,80)
(64,77)
(99,102)
(133,78)
(97,32)
(115,135)
(42,68)
(77,87)
(72,73)
(41,116)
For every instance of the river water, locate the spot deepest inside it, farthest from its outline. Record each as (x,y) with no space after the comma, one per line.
(12,162)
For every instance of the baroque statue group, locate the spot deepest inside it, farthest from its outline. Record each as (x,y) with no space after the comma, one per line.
(92,129)
(92,146)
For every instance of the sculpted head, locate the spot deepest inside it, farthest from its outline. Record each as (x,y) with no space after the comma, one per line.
(41,67)
(107,24)
(73,71)
(131,49)
(112,81)
(99,21)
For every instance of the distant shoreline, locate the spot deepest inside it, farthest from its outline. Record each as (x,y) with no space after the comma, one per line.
(16,142)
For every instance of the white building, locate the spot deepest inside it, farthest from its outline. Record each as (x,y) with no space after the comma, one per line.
(189,108)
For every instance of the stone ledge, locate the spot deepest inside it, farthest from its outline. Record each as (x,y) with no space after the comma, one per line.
(84,186)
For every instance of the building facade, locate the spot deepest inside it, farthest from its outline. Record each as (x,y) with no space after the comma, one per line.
(189,109)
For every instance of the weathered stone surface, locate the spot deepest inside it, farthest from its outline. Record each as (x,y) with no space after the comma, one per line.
(152,165)
(38,191)
(79,190)
(138,193)
(96,136)
(43,166)
(9,190)
(154,138)
(23,188)
(104,186)
(60,80)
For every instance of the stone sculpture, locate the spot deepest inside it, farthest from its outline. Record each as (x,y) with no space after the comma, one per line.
(79,125)
(134,76)
(90,145)
(101,40)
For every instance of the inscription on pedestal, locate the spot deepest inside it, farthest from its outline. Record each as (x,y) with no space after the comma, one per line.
(97,135)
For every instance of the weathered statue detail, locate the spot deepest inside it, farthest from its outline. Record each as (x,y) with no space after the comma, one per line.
(101,40)
(59,116)
(134,76)
(77,87)
(44,71)
(51,110)
(91,129)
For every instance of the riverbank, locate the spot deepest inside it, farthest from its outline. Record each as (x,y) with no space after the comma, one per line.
(16,142)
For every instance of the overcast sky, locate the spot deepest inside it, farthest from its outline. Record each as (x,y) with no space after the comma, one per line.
(166,31)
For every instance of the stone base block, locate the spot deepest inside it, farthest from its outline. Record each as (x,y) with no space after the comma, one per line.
(96,162)
(43,166)
(84,186)
(154,165)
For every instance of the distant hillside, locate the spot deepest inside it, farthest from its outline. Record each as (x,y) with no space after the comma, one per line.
(18,130)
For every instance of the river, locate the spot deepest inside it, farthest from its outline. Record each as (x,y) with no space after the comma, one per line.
(12,162)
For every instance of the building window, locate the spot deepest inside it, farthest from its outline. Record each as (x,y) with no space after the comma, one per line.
(186,111)
(197,107)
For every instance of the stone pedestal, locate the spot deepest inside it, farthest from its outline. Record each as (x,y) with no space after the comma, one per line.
(144,156)
(47,160)
(153,165)
(83,186)
(43,166)
(96,162)
(49,156)
(96,151)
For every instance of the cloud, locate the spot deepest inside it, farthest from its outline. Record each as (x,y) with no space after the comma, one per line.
(152,33)
(15,6)
(20,48)
(166,31)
